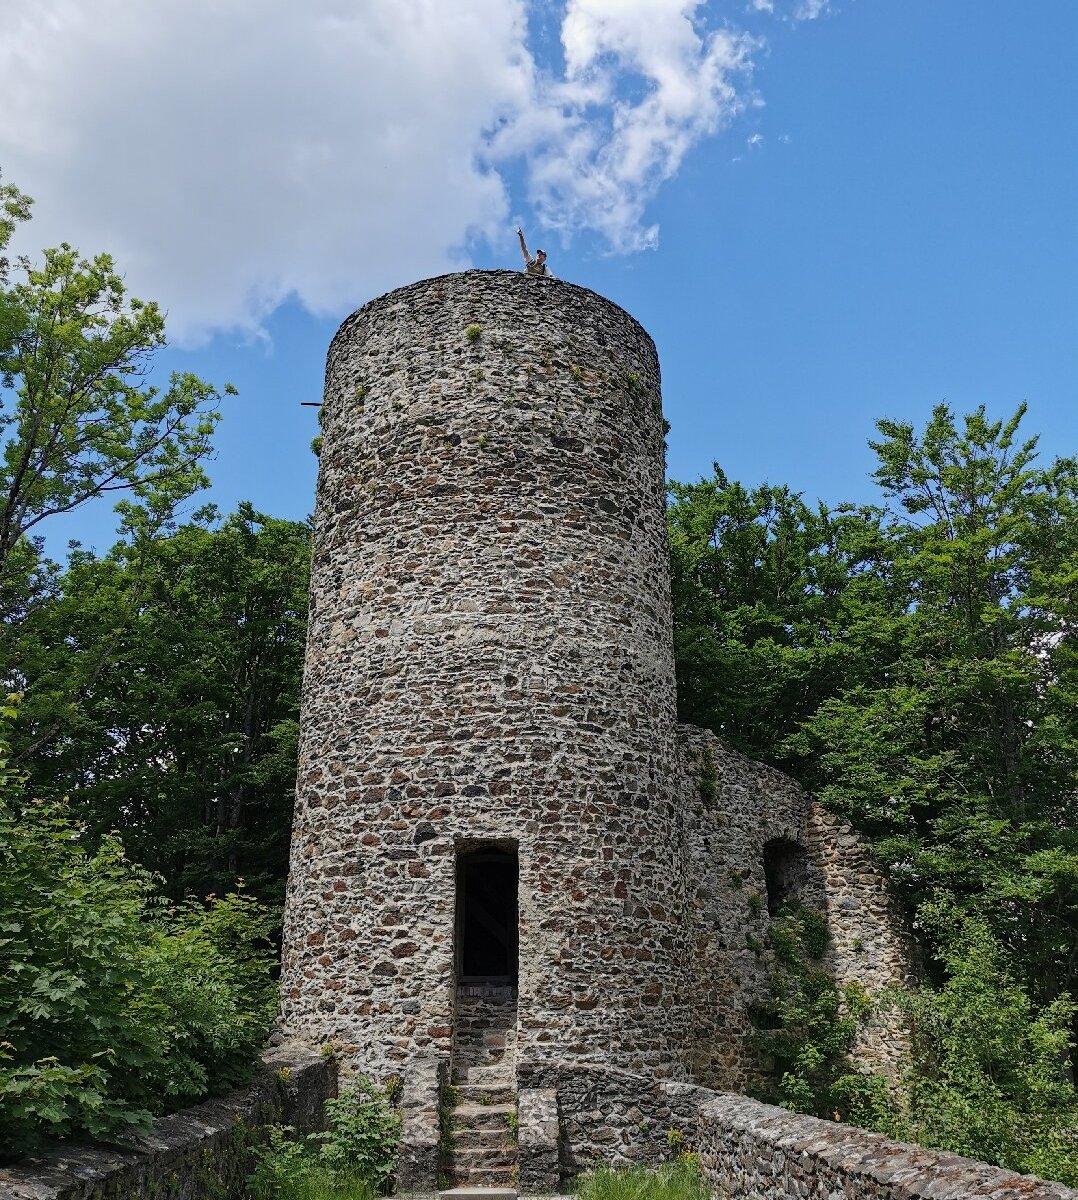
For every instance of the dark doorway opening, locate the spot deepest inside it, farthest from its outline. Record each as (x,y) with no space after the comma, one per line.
(487,915)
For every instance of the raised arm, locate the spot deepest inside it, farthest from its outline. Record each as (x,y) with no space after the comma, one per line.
(523,247)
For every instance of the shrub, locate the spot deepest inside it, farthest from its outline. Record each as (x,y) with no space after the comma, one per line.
(286,1170)
(363,1135)
(112,1008)
(354,1159)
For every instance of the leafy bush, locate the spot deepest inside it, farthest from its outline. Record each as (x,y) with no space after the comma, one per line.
(679,1180)
(354,1159)
(112,1007)
(285,1169)
(363,1135)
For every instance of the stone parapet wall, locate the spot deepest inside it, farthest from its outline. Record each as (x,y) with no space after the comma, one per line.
(537,1141)
(751,1149)
(419,1160)
(199,1153)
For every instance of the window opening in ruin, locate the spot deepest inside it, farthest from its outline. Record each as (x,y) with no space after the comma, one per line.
(486,923)
(785,872)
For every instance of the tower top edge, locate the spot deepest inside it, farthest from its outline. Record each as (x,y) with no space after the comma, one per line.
(495,280)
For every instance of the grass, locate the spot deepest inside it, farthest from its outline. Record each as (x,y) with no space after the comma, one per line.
(680,1180)
(314,1183)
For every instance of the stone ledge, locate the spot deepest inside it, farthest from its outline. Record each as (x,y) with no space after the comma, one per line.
(198,1153)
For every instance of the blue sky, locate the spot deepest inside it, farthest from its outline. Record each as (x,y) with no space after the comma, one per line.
(862,208)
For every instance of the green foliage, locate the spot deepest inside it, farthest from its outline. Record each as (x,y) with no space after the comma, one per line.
(988,1072)
(631,382)
(679,1180)
(960,754)
(768,595)
(363,1135)
(806,1030)
(113,1008)
(473,333)
(162,695)
(354,1159)
(448,1097)
(77,418)
(988,1075)
(285,1170)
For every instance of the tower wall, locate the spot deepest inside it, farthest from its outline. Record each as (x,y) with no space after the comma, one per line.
(489,660)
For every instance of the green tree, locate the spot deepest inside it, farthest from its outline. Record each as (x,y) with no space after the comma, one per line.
(162,692)
(915,666)
(78,417)
(960,753)
(777,608)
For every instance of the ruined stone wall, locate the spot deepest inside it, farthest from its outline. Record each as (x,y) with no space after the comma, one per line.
(731,810)
(489,658)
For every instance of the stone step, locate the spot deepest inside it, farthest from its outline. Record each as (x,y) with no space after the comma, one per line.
(475,1113)
(497,1074)
(482,1116)
(494,1139)
(486,1093)
(474,1158)
(491,1177)
(478,1193)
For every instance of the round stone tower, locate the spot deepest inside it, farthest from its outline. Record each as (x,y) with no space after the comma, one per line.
(485,855)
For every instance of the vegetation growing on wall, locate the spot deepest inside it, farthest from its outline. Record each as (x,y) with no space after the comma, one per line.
(805,1032)
(986,1074)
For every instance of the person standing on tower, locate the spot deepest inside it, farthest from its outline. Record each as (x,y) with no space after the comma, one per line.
(536,265)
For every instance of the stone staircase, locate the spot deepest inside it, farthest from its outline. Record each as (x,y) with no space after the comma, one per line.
(483,1151)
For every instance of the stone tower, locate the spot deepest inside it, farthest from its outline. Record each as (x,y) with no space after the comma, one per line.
(484,858)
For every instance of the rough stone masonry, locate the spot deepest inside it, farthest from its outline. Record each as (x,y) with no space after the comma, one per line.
(489,687)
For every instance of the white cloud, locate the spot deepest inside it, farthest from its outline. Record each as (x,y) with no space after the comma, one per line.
(231,153)
(802,10)
(643,84)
